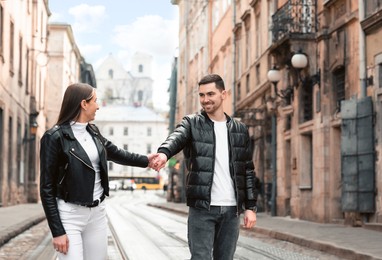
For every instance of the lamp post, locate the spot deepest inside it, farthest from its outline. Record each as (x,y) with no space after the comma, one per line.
(274,77)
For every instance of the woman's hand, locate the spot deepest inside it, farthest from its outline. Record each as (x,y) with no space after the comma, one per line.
(61,244)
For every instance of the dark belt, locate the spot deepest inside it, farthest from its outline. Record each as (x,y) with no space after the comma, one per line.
(96,202)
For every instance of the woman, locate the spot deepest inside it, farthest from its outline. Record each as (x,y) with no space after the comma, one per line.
(74,177)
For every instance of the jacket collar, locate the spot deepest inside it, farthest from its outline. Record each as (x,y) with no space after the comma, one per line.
(67,131)
(209,119)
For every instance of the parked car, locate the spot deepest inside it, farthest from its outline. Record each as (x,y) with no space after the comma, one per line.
(115,185)
(129,185)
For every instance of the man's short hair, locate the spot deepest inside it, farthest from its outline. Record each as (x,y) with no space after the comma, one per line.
(213,78)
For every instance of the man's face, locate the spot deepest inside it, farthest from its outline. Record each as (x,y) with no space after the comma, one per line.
(211,98)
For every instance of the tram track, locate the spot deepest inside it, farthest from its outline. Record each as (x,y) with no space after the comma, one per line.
(142,216)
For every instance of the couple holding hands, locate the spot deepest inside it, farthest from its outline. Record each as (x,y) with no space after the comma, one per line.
(221,182)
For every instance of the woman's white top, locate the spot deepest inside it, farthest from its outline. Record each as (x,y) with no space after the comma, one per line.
(88,144)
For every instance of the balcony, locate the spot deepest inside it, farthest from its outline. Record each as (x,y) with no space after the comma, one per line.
(372,7)
(295,19)
(373,16)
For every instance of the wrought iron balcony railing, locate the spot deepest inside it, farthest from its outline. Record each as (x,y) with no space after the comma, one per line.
(295,17)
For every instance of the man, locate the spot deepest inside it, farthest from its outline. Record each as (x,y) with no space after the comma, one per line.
(221,182)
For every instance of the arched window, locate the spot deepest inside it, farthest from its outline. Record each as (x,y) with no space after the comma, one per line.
(111,73)
(140,68)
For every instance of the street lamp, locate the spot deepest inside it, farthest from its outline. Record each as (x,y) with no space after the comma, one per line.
(299,61)
(274,76)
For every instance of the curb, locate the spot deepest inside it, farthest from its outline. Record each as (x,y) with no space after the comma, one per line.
(13,231)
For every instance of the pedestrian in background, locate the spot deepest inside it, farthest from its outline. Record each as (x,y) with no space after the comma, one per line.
(221,182)
(74,176)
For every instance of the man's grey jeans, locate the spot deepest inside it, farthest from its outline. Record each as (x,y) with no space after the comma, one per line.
(213,233)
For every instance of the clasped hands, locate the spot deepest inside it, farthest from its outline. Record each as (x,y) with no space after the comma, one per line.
(157,161)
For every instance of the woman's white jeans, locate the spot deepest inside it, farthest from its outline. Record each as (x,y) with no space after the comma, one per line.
(86,229)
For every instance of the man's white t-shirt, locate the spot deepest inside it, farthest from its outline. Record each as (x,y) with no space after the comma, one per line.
(222,193)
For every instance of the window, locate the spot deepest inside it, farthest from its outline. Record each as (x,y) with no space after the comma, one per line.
(215,14)
(339,87)
(125,131)
(10,150)
(140,96)
(248,47)
(238,92)
(148,148)
(238,56)
(1,31)
(125,147)
(306,161)
(140,68)
(248,84)
(149,130)
(20,170)
(111,74)
(258,74)
(111,131)
(258,32)
(306,101)
(110,166)
(20,60)
(380,75)
(11,48)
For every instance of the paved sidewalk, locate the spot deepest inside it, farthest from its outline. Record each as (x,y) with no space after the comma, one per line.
(343,241)
(339,240)
(16,219)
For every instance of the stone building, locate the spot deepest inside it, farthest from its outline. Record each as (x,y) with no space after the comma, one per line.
(116,85)
(64,56)
(37,61)
(137,129)
(305,77)
(23,41)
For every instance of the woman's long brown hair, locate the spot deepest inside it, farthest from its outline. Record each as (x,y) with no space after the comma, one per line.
(71,103)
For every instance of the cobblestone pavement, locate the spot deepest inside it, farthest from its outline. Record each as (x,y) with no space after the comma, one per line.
(28,244)
(286,250)
(36,244)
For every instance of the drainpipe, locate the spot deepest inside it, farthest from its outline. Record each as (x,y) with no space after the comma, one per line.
(185,62)
(274,164)
(234,60)
(362,49)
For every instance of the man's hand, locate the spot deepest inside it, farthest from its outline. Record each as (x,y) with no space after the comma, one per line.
(249,219)
(61,244)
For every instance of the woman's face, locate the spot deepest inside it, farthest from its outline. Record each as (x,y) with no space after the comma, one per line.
(89,108)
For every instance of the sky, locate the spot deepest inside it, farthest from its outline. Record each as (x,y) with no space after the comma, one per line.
(122,28)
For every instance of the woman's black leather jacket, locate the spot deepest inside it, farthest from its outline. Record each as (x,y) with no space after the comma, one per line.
(67,172)
(195,135)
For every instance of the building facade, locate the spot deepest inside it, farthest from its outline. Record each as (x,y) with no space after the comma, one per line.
(37,62)
(137,129)
(315,126)
(23,41)
(63,66)
(116,85)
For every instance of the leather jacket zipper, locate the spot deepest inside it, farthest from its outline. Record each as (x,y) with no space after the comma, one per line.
(63,177)
(233,169)
(76,156)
